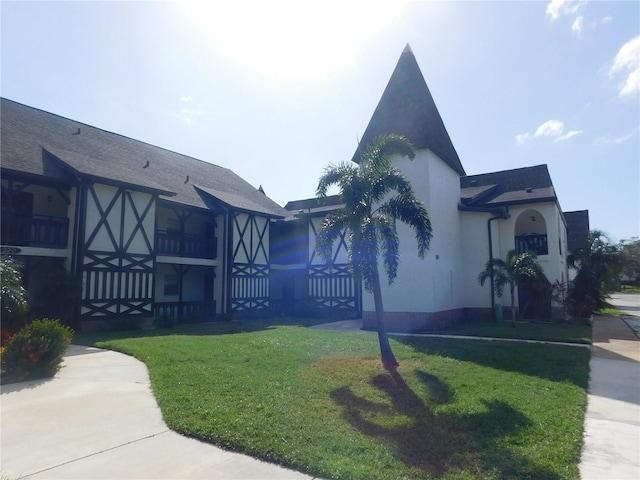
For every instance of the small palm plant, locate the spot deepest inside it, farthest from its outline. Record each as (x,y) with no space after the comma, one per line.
(518,269)
(375,196)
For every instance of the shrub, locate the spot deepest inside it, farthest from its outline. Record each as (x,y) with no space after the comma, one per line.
(13,298)
(36,351)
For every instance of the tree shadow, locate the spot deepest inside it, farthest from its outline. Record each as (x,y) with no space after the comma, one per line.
(438,443)
(537,360)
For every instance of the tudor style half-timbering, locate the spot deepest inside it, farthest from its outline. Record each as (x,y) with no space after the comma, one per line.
(304,283)
(249,262)
(117,251)
(153,234)
(128,220)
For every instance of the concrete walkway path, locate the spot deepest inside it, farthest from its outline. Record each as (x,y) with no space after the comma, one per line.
(98,419)
(612,423)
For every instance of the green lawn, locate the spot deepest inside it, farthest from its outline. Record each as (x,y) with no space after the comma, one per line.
(553,332)
(319,402)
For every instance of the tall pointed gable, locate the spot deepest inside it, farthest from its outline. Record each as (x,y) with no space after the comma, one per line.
(407,108)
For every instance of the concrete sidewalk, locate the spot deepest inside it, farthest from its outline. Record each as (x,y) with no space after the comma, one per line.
(612,423)
(98,419)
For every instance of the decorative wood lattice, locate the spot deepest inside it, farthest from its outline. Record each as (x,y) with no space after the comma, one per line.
(250,287)
(332,287)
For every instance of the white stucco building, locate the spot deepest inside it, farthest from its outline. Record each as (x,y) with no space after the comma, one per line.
(474,218)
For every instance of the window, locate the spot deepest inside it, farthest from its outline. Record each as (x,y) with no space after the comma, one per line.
(170,285)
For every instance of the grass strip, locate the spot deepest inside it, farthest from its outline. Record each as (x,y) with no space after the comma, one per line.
(550,332)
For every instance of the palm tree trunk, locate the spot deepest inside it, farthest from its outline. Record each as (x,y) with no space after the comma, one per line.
(388,358)
(513,306)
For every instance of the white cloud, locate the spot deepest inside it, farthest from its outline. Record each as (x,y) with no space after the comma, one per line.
(558,8)
(578,25)
(617,140)
(606,20)
(550,128)
(627,63)
(566,136)
(189,109)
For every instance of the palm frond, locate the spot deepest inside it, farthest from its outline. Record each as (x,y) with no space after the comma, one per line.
(328,233)
(408,209)
(379,154)
(335,175)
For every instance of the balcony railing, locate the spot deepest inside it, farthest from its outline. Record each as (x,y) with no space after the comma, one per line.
(535,243)
(185,312)
(35,231)
(177,245)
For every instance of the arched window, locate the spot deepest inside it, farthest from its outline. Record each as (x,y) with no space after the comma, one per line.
(531,233)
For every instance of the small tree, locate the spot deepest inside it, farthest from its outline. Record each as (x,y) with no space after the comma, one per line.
(630,253)
(375,195)
(517,270)
(14,297)
(598,266)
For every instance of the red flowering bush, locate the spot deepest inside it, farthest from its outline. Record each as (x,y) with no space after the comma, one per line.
(37,350)
(4,337)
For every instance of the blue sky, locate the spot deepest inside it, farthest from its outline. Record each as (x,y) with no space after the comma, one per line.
(276,90)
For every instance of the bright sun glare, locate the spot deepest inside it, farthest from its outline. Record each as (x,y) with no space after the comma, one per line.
(292,40)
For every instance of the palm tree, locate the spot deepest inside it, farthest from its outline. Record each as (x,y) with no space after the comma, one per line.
(598,266)
(518,269)
(375,196)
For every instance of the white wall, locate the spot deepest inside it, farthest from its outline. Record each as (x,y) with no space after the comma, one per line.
(251,239)
(103,241)
(475,254)
(431,284)
(476,249)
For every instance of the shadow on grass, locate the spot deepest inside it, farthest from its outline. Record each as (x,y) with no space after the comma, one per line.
(439,444)
(552,362)
(224,327)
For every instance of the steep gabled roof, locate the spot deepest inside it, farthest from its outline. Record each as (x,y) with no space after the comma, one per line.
(577,229)
(507,187)
(407,108)
(39,143)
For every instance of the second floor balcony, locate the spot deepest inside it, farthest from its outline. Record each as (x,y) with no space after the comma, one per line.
(534,242)
(185,245)
(35,231)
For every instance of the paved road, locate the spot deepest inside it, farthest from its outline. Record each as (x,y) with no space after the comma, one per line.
(630,304)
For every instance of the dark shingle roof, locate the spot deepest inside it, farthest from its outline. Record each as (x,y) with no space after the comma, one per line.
(508,187)
(407,108)
(577,229)
(314,205)
(28,133)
